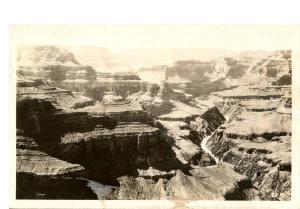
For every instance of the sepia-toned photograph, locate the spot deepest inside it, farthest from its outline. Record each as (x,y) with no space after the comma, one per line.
(200,118)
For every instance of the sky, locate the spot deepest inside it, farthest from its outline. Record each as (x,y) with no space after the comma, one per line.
(110,48)
(120,38)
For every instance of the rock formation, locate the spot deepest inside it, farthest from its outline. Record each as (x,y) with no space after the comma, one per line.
(257,140)
(52,63)
(203,132)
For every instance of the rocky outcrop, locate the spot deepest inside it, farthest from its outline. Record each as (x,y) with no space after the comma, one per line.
(207,183)
(182,124)
(155,174)
(257,140)
(97,88)
(40,176)
(51,151)
(60,98)
(109,141)
(86,134)
(236,68)
(284,80)
(190,70)
(266,163)
(126,111)
(249,92)
(253,98)
(184,142)
(52,63)
(38,118)
(41,164)
(119,151)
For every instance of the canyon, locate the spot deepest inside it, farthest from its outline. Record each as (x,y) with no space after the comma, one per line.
(213,130)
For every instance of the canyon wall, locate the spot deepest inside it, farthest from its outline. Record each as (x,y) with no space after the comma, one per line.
(203,132)
(106,141)
(256,140)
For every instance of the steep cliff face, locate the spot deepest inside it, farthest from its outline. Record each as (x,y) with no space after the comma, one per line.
(105,152)
(40,176)
(185,131)
(119,151)
(257,138)
(92,138)
(266,163)
(183,122)
(110,140)
(38,118)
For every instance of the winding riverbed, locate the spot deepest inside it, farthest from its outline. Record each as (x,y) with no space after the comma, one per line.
(206,149)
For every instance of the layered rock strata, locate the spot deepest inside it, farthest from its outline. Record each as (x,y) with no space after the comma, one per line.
(154,141)
(40,176)
(119,151)
(257,140)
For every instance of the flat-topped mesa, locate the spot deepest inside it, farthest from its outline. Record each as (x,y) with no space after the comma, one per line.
(121,84)
(38,118)
(246,126)
(108,154)
(256,98)
(96,89)
(60,98)
(121,130)
(249,92)
(126,111)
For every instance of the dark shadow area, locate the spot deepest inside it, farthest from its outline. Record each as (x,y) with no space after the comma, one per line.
(31,186)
